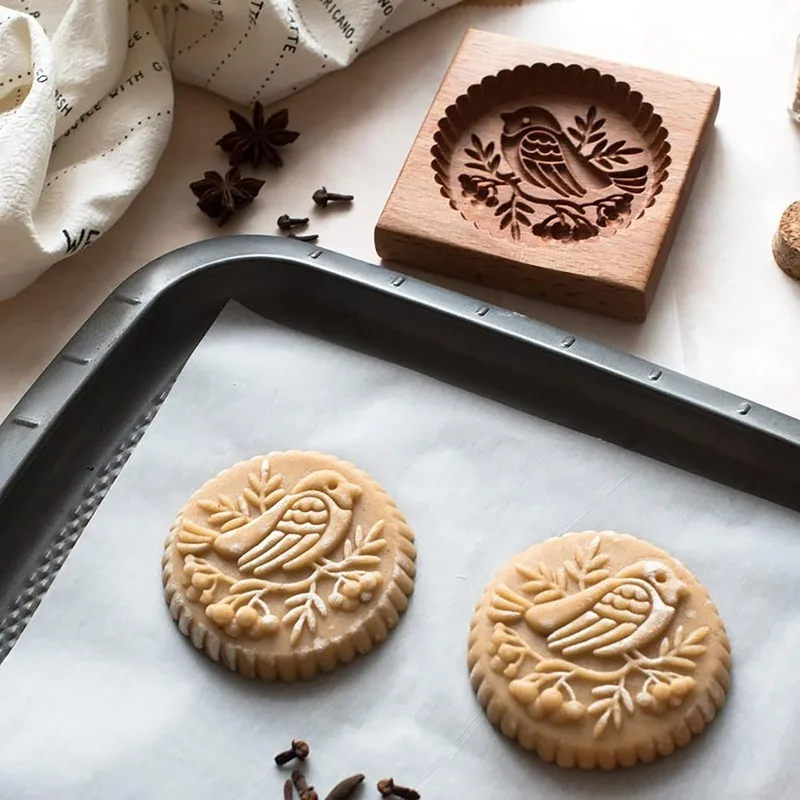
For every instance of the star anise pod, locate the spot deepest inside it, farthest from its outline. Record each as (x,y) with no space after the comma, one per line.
(259,139)
(221,197)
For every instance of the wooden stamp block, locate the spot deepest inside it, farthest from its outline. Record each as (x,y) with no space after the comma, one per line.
(549,174)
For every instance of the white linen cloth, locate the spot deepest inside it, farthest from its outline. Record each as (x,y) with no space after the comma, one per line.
(86,96)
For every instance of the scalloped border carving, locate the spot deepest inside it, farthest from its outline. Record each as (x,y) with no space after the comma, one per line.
(526,82)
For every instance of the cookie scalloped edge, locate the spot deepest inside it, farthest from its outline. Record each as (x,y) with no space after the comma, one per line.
(531,737)
(304,663)
(550,77)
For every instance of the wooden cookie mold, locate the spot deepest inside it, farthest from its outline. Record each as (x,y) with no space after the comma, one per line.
(550,174)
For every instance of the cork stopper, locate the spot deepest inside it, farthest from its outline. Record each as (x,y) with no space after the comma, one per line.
(786,242)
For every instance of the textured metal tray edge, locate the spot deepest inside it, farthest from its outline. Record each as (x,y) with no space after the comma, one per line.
(26,429)
(29,421)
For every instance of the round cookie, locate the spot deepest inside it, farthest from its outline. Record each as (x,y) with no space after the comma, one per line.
(288,564)
(598,650)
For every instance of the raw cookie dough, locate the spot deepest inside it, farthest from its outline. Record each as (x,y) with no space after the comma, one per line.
(288,564)
(598,650)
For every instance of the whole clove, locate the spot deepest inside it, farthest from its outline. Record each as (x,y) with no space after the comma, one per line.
(286,223)
(305,791)
(288,790)
(344,789)
(388,788)
(299,750)
(308,237)
(322,197)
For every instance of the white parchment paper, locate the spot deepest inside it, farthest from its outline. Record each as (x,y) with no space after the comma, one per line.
(103,698)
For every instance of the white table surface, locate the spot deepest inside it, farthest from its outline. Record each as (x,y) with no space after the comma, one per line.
(724,313)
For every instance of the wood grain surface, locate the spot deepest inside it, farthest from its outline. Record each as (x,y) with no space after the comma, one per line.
(549,174)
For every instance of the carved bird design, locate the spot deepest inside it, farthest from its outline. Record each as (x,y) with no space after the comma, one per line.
(306,525)
(538,150)
(616,616)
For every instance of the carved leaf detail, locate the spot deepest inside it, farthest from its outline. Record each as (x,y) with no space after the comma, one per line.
(373,547)
(534,587)
(675,662)
(601,724)
(234,523)
(597,562)
(376,530)
(600,705)
(348,548)
(691,650)
(507,605)
(497,615)
(319,605)
(627,700)
(697,636)
(561,578)
(221,517)
(595,577)
(664,649)
(364,561)
(251,496)
(547,596)
(272,484)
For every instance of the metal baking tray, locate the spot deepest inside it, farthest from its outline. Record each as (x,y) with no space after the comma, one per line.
(63,445)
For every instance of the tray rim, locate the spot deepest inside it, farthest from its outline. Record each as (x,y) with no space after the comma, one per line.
(30,421)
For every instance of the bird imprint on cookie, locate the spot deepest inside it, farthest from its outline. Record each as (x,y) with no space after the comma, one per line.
(551,153)
(621,621)
(281,555)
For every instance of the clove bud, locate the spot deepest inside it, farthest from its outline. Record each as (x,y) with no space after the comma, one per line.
(288,790)
(344,789)
(305,791)
(322,197)
(286,223)
(388,788)
(309,237)
(299,749)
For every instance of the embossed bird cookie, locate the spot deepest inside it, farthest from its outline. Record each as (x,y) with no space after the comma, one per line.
(598,650)
(288,564)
